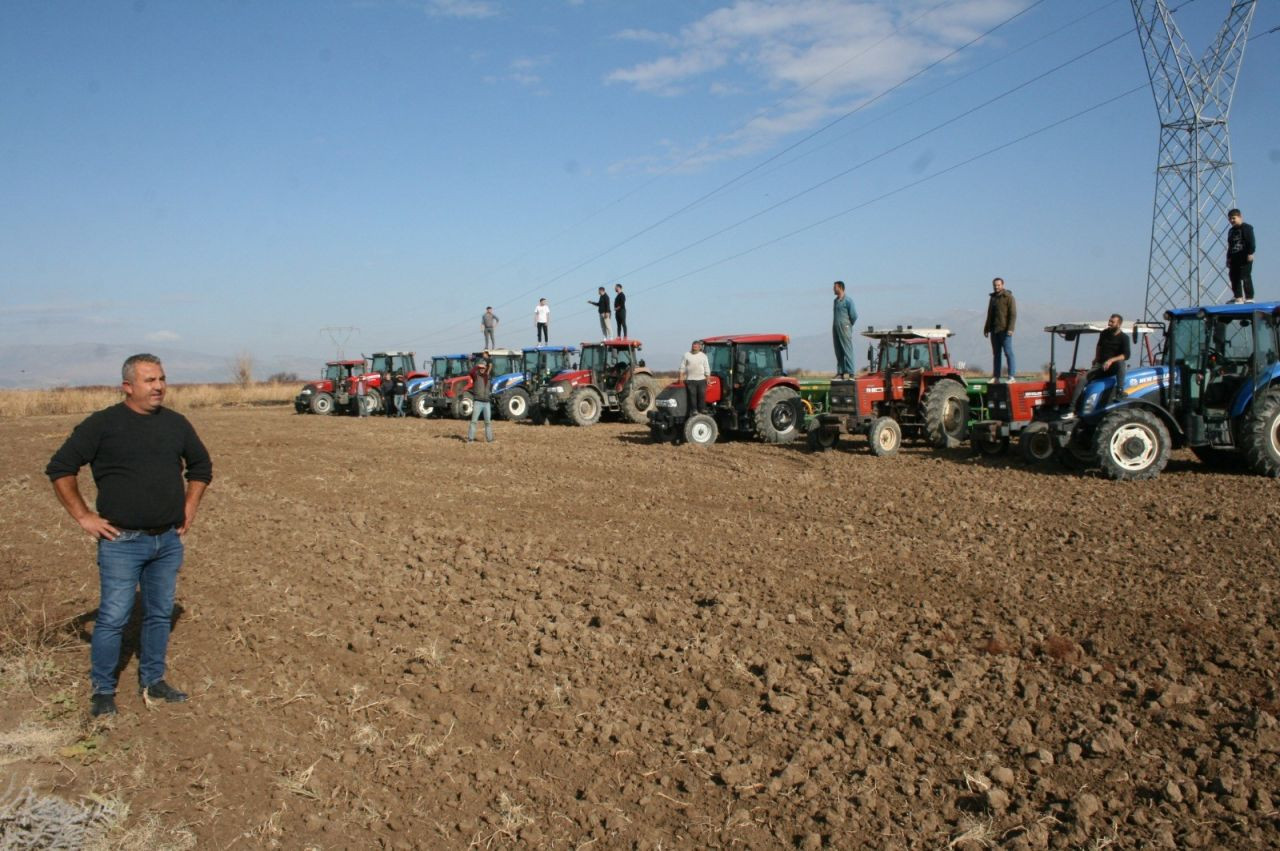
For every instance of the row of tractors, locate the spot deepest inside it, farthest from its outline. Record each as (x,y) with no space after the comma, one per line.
(1207,379)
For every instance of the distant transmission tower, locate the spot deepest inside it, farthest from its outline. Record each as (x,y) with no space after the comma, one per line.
(336,331)
(1194,182)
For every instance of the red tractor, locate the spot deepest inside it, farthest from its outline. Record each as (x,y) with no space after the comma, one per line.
(320,397)
(610,378)
(914,392)
(748,393)
(381,365)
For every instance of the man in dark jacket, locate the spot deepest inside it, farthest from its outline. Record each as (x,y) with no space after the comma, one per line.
(620,310)
(138,451)
(1002,316)
(1240,248)
(602,306)
(481,374)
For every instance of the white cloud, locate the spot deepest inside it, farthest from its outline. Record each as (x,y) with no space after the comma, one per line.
(162,337)
(461,8)
(821,57)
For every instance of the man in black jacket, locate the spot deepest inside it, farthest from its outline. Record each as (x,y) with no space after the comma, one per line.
(1240,248)
(137,450)
(602,305)
(620,310)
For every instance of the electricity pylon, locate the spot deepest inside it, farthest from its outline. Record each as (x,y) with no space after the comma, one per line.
(1195,185)
(334,331)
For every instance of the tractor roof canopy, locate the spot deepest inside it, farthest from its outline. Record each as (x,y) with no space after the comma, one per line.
(1072,329)
(1272,307)
(615,343)
(569,349)
(460,356)
(500,353)
(746,339)
(344,363)
(907,332)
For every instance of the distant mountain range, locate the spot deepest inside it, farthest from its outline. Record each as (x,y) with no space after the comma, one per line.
(89,364)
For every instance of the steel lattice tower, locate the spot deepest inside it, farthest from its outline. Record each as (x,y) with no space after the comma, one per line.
(1195,185)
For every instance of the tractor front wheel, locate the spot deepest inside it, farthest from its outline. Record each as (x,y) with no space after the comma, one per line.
(778,416)
(322,403)
(1036,443)
(1131,443)
(584,407)
(514,405)
(992,446)
(946,414)
(422,406)
(664,433)
(1260,435)
(373,401)
(462,406)
(701,430)
(638,402)
(884,437)
(537,414)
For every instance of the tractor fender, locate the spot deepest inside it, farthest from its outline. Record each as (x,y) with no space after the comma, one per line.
(1244,399)
(1160,413)
(767,385)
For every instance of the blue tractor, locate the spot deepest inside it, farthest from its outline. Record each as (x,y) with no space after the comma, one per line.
(540,364)
(422,392)
(1214,388)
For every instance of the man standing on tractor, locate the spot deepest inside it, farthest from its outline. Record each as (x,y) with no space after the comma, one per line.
(489,324)
(602,307)
(695,369)
(620,310)
(1002,315)
(480,392)
(542,321)
(845,317)
(1240,248)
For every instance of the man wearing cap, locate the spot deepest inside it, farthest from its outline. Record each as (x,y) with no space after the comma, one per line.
(138,451)
(481,405)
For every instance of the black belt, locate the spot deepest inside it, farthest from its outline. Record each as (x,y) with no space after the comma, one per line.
(159,530)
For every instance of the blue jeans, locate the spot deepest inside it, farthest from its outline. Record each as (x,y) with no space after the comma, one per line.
(477,409)
(1001,341)
(132,561)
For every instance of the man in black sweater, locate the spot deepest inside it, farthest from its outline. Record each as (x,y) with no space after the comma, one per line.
(1240,248)
(137,450)
(602,305)
(620,310)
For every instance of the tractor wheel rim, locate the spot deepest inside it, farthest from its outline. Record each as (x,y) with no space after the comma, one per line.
(1133,446)
(516,406)
(781,417)
(886,439)
(951,418)
(701,433)
(1273,434)
(642,399)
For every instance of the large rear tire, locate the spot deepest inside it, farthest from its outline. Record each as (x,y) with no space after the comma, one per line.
(778,416)
(884,438)
(585,407)
(946,414)
(1035,443)
(1131,444)
(638,402)
(1260,434)
(701,430)
(514,405)
(322,403)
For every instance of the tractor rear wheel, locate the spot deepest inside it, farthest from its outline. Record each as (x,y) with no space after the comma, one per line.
(822,439)
(638,402)
(946,414)
(515,405)
(584,407)
(322,403)
(701,430)
(373,401)
(1035,443)
(462,406)
(1131,443)
(422,406)
(884,438)
(1260,434)
(778,416)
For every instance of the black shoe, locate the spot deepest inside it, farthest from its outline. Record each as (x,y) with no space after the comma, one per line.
(160,690)
(102,704)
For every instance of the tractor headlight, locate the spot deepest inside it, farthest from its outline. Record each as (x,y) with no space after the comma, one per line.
(666,403)
(1090,402)
(555,388)
(307,391)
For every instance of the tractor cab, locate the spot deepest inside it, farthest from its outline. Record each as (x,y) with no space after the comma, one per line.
(541,363)
(740,364)
(427,396)
(394,362)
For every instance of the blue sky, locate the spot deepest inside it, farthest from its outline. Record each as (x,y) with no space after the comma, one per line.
(234,176)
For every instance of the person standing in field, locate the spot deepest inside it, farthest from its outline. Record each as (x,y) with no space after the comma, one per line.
(398,388)
(1240,248)
(1002,316)
(620,310)
(602,307)
(481,401)
(138,451)
(489,324)
(542,321)
(362,397)
(695,369)
(844,318)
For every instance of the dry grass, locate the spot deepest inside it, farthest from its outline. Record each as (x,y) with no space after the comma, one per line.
(84,400)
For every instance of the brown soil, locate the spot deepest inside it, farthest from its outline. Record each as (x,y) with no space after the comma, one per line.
(573,636)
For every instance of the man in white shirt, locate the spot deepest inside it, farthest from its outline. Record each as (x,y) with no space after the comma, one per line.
(542,320)
(695,369)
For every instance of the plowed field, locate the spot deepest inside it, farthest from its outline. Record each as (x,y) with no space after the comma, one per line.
(573,637)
